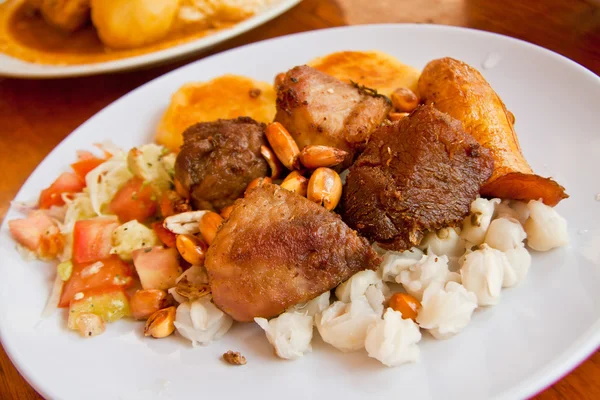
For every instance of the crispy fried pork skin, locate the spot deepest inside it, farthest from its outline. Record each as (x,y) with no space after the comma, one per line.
(278,249)
(319,109)
(461,91)
(219,159)
(420,173)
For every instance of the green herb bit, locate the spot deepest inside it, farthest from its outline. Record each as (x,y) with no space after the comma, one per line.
(370,92)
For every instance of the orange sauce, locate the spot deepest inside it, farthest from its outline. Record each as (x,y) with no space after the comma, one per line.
(25,35)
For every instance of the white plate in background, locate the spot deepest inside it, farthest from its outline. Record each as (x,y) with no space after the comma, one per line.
(538,332)
(14,67)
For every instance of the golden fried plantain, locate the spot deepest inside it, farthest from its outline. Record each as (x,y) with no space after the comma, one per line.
(374,69)
(225,97)
(461,91)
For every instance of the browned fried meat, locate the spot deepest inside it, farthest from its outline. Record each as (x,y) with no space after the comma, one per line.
(319,109)
(278,249)
(219,159)
(420,173)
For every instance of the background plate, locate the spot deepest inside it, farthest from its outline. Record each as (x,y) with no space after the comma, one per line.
(538,332)
(14,67)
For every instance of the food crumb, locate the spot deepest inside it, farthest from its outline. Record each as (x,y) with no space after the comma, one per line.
(329,90)
(254,93)
(234,358)
(597,196)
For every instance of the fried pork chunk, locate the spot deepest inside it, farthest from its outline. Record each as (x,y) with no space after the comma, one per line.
(278,249)
(420,173)
(219,159)
(461,91)
(319,109)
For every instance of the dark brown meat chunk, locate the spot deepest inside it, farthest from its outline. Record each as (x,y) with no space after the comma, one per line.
(319,109)
(420,173)
(219,159)
(278,249)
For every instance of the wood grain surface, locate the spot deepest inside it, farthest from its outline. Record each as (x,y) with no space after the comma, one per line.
(36,115)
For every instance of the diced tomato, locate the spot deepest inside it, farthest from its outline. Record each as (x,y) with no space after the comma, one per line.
(110,303)
(92,275)
(92,239)
(27,231)
(85,165)
(134,201)
(157,267)
(67,182)
(165,235)
(39,233)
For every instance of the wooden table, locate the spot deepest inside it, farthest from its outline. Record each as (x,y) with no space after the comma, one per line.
(36,115)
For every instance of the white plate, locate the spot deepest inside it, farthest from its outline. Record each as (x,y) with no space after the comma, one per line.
(537,333)
(14,67)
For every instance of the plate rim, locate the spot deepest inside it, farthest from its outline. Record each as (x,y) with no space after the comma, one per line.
(153,58)
(562,364)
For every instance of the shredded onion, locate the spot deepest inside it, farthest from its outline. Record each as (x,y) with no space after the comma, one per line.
(54,298)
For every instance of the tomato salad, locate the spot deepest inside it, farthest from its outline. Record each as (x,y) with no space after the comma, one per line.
(103,223)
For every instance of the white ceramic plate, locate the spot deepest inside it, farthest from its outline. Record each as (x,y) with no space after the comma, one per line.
(537,333)
(14,67)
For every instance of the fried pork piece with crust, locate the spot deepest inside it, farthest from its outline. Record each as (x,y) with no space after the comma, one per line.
(219,159)
(318,109)
(461,91)
(278,249)
(420,173)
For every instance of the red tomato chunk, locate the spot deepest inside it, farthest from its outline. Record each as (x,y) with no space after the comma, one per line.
(134,201)
(67,182)
(92,239)
(109,272)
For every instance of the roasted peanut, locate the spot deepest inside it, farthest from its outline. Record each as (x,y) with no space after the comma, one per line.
(283,144)
(160,324)
(296,183)
(182,191)
(325,188)
(404,100)
(257,182)
(209,224)
(397,116)
(191,249)
(146,302)
(313,157)
(187,222)
(406,304)
(191,291)
(172,203)
(89,324)
(234,358)
(272,160)
(226,212)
